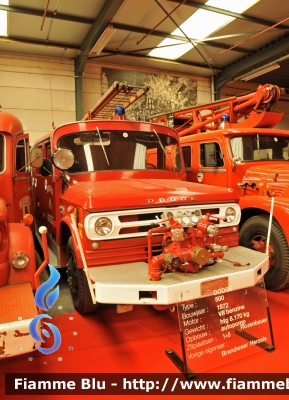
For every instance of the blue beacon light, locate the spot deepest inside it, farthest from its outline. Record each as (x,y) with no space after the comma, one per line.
(225,118)
(119,110)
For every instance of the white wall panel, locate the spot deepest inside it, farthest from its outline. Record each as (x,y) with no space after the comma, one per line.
(204,94)
(91,86)
(34,64)
(89,100)
(24,79)
(62,82)
(63,100)
(38,91)
(18,98)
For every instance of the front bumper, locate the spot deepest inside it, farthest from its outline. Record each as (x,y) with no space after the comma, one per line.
(130,283)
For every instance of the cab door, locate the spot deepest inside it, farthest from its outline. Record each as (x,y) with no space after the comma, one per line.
(205,163)
(44,187)
(22,203)
(212,169)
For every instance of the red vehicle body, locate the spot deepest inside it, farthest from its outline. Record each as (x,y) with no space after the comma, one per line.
(15,169)
(244,152)
(98,195)
(17,252)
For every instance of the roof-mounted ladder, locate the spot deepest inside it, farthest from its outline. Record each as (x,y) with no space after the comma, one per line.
(119,94)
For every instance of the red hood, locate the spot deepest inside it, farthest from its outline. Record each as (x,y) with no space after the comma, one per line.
(274,177)
(143,193)
(264,171)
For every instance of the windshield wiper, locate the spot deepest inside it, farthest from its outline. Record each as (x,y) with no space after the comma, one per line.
(103,149)
(162,147)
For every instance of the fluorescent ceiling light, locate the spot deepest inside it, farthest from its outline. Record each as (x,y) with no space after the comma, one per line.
(199,26)
(3,19)
(257,72)
(103,40)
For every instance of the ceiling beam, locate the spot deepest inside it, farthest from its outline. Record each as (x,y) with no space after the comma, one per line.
(190,3)
(15,39)
(52,15)
(103,19)
(244,17)
(264,55)
(143,31)
(110,53)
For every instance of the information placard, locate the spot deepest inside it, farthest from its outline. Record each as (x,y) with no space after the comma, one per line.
(225,326)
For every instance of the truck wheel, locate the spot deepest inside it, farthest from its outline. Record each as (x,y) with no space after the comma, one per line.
(253,234)
(78,283)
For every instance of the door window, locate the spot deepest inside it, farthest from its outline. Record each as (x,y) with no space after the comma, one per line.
(187,152)
(22,156)
(211,155)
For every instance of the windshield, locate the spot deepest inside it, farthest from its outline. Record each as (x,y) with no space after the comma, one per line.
(260,147)
(118,150)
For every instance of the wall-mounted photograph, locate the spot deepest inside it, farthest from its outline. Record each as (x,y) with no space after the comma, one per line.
(166,93)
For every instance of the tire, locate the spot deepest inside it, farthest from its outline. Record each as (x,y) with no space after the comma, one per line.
(78,285)
(256,229)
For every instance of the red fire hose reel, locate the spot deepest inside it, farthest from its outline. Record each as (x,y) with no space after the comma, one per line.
(185,249)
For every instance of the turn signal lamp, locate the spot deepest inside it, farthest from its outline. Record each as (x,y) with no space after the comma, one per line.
(79,216)
(28,219)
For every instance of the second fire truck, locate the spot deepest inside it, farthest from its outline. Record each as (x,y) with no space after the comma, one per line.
(233,143)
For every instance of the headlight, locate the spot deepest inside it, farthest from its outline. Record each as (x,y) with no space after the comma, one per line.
(103,226)
(230,214)
(20,260)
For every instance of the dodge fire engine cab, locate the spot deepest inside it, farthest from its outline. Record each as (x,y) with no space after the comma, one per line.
(17,253)
(233,143)
(124,221)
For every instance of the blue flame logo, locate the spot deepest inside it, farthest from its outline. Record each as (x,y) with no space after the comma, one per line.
(44,289)
(45,298)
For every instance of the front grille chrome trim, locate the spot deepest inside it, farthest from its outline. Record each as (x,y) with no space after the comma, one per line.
(153,215)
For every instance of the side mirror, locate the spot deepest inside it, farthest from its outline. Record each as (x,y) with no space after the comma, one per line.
(36,157)
(237,160)
(63,159)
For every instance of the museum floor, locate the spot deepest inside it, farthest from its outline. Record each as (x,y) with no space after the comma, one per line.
(135,342)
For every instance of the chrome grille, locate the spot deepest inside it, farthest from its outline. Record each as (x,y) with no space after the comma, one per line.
(136,223)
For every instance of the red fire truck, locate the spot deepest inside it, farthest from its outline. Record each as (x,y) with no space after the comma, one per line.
(124,221)
(232,143)
(17,253)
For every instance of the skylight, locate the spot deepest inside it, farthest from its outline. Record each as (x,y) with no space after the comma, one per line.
(199,26)
(3,19)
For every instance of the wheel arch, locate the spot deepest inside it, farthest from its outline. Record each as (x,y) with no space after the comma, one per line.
(78,283)
(254,235)
(249,212)
(65,233)
(280,211)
